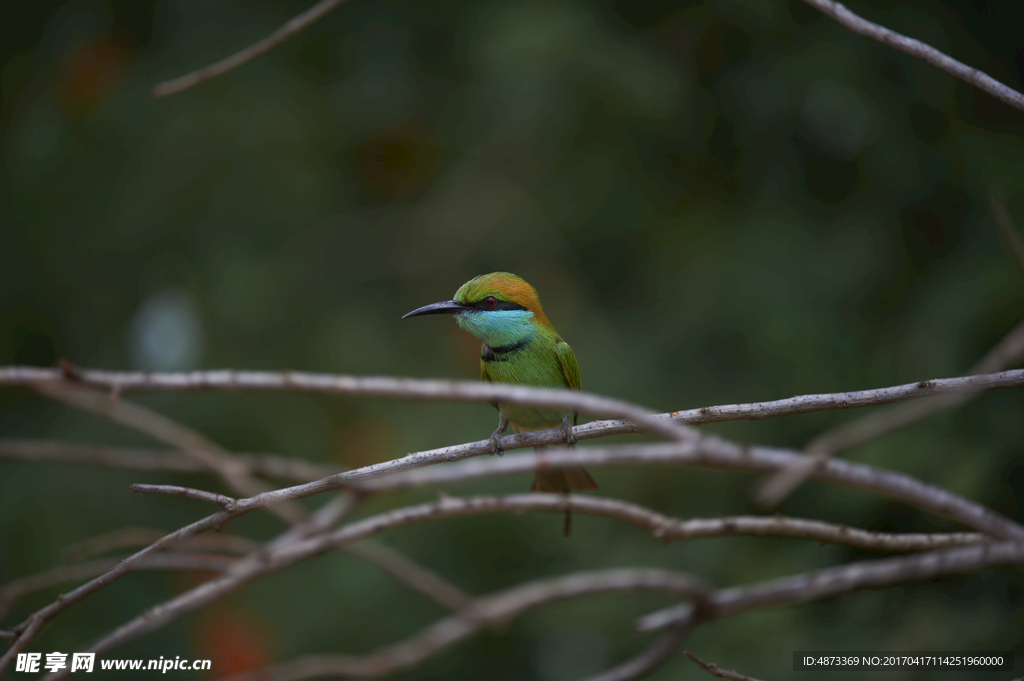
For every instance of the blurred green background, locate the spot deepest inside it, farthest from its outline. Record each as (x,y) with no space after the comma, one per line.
(719,202)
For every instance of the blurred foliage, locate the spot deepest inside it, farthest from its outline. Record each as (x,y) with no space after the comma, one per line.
(725,201)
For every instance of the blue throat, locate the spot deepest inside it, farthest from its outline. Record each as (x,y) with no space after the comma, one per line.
(498,328)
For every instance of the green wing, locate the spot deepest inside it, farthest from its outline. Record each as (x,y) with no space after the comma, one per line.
(570,367)
(487,379)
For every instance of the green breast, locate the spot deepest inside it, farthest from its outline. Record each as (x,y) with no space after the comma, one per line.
(536,363)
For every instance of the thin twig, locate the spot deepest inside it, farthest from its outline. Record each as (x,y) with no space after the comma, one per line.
(26,633)
(916,48)
(715,670)
(1007,352)
(290,27)
(232,471)
(225,502)
(648,660)
(412,574)
(491,610)
(320,521)
(1004,221)
(63,574)
(134,537)
(143,459)
(171,432)
(841,579)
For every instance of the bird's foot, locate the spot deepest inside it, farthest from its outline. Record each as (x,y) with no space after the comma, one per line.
(567,436)
(496,438)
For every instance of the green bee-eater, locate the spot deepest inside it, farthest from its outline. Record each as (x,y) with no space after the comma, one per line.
(520,346)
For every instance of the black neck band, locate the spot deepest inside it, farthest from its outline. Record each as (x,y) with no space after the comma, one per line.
(489,354)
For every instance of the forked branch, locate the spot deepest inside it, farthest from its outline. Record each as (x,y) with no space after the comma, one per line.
(916,48)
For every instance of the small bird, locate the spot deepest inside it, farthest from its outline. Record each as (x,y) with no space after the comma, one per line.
(521,347)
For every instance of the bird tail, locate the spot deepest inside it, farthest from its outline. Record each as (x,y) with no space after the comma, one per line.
(563,480)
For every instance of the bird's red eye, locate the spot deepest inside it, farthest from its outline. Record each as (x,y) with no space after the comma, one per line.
(490,301)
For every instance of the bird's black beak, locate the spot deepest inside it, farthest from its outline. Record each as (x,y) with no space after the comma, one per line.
(444,307)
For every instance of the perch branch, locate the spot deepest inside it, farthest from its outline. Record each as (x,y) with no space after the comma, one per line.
(1008,351)
(369,386)
(712,452)
(466,391)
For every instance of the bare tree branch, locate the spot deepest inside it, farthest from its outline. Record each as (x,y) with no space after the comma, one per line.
(648,660)
(1008,351)
(717,671)
(168,431)
(227,503)
(16,588)
(289,28)
(1004,221)
(412,574)
(23,635)
(283,554)
(660,526)
(231,471)
(965,385)
(466,391)
(274,558)
(492,610)
(26,630)
(714,452)
(708,452)
(142,459)
(133,537)
(369,386)
(705,452)
(841,579)
(916,48)
(833,9)
(320,521)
